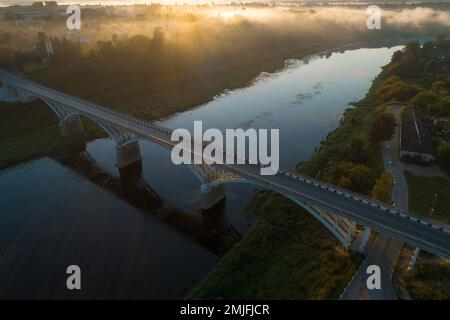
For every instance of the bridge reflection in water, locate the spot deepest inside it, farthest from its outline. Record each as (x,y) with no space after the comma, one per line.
(209,228)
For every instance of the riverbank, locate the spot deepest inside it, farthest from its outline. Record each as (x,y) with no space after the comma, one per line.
(350,141)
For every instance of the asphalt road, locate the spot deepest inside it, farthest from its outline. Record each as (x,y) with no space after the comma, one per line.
(384,250)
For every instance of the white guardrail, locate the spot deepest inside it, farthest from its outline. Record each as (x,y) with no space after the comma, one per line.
(368,201)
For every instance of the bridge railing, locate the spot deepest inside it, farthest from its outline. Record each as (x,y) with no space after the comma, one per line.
(369,201)
(89,104)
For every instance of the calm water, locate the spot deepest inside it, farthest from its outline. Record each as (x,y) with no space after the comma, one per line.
(141,234)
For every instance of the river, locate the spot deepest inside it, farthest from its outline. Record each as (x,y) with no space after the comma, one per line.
(143,235)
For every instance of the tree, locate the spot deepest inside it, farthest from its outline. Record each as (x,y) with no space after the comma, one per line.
(424,99)
(115,39)
(383,187)
(41,51)
(8,55)
(41,37)
(397,90)
(361,177)
(428,48)
(356,151)
(443,154)
(439,87)
(5,38)
(350,176)
(345,182)
(105,49)
(382,128)
(158,36)
(413,49)
(65,50)
(443,107)
(441,41)
(397,56)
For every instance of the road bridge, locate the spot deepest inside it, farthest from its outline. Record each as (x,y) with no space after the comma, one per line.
(338,209)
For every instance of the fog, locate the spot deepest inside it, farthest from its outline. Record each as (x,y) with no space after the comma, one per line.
(193,24)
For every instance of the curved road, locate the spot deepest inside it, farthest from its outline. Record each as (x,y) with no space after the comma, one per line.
(384,251)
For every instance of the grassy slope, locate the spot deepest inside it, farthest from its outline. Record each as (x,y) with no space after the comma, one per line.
(288,255)
(30,131)
(421,193)
(429,280)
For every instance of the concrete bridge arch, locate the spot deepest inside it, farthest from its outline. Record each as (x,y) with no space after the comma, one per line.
(342,228)
(70,123)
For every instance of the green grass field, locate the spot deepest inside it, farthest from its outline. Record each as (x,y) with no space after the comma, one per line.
(421,192)
(30,131)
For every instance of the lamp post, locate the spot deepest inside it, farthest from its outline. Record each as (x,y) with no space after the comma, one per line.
(432,204)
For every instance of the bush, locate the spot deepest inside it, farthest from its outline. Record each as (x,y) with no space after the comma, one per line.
(358,178)
(398,91)
(443,107)
(383,187)
(382,128)
(443,154)
(423,100)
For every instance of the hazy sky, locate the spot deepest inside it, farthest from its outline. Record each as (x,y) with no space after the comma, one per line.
(8,2)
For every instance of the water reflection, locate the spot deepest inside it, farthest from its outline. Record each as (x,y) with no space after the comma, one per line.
(305,100)
(128,242)
(209,228)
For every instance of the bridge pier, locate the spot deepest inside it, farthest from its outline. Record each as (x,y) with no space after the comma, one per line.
(8,94)
(342,228)
(211,195)
(364,240)
(71,126)
(132,173)
(128,154)
(412,263)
